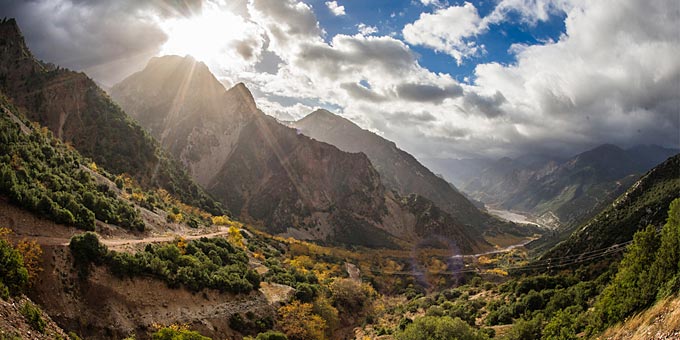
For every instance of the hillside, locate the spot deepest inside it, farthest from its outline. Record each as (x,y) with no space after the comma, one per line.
(78,112)
(644,203)
(398,170)
(265,172)
(573,190)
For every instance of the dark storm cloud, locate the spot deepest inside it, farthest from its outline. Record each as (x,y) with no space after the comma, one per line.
(488,106)
(427,92)
(406,118)
(357,91)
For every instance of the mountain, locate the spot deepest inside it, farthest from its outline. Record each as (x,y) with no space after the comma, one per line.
(574,189)
(77,111)
(268,173)
(644,203)
(398,169)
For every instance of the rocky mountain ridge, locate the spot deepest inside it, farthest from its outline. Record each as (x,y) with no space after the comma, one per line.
(267,173)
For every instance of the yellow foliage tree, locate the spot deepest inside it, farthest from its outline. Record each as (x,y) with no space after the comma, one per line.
(31,252)
(181,243)
(235,236)
(300,323)
(221,220)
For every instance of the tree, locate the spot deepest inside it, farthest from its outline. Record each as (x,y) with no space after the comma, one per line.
(439,328)
(86,249)
(632,287)
(300,323)
(351,296)
(667,263)
(13,275)
(30,251)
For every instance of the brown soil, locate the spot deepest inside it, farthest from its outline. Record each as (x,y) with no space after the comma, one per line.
(104,307)
(14,325)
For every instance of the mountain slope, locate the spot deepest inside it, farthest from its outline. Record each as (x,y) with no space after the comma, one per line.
(573,189)
(645,203)
(77,111)
(398,170)
(263,171)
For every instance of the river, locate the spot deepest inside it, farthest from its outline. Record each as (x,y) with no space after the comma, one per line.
(511,216)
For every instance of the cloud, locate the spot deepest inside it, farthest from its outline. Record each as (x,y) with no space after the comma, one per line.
(365,29)
(336,9)
(446,31)
(489,106)
(435,3)
(357,91)
(287,23)
(529,11)
(613,73)
(72,33)
(427,92)
(612,76)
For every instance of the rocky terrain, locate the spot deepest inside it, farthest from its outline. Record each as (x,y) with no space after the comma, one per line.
(398,169)
(270,174)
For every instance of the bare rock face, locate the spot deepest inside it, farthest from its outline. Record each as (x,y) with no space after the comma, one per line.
(398,169)
(264,172)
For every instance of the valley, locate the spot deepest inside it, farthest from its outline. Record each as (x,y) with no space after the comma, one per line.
(195,200)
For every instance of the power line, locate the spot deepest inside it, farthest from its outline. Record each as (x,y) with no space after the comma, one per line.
(560,262)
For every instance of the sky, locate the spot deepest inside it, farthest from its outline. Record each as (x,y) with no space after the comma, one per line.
(443,79)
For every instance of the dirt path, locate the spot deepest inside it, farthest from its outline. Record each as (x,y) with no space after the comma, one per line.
(119,243)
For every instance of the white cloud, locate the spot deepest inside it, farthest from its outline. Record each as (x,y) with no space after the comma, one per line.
(435,3)
(366,29)
(530,11)
(336,9)
(614,76)
(447,31)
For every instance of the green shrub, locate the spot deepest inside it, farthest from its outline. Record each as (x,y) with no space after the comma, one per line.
(524,329)
(13,274)
(439,328)
(86,248)
(33,317)
(204,263)
(271,335)
(172,333)
(43,175)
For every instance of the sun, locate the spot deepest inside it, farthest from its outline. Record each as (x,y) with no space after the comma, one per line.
(208,36)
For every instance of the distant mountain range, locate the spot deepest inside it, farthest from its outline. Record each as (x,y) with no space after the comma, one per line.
(571,190)
(271,174)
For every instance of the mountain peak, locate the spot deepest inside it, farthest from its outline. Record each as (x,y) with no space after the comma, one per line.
(9,29)
(241,91)
(14,45)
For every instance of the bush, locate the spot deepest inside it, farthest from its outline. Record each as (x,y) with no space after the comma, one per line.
(33,317)
(351,296)
(271,335)
(175,333)
(306,292)
(13,274)
(439,328)
(527,329)
(86,248)
(197,264)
